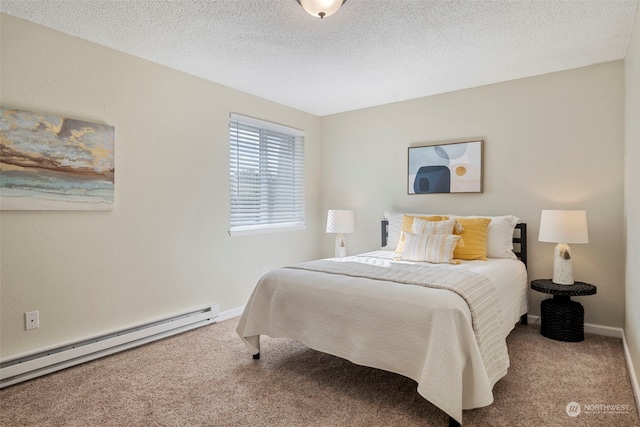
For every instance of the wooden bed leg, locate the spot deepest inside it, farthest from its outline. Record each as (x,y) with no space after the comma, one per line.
(524,319)
(453,423)
(256,356)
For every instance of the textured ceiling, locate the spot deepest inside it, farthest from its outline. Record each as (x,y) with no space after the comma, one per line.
(371,52)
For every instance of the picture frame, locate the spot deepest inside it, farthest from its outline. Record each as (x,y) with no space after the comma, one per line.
(50,162)
(454,167)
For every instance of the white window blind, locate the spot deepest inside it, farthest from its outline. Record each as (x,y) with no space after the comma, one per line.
(267,176)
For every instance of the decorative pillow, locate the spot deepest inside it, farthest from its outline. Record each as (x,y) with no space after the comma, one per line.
(407,227)
(395,228)
(408,219)
(500,235)
(435,248)
(443,226)
(474,235)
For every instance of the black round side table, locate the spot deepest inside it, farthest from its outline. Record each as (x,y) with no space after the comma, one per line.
(562,319)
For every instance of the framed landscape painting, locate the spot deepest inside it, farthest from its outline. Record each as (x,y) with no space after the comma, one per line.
(49,162)
(445,168)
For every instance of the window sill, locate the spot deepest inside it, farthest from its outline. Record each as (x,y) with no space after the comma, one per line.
(245,231)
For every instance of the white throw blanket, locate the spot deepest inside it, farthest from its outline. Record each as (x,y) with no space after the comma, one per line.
(475,289)
(449,342)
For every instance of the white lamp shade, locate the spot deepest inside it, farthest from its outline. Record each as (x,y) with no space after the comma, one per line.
(340,221)
(563,226)
(321,8)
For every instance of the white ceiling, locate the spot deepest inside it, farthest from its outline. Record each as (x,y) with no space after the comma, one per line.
(371,52)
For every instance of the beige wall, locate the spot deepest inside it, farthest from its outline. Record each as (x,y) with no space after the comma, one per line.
(165,247)
(632,196)
(552,141)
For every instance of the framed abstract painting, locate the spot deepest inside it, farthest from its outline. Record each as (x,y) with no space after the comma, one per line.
(48,162)
(445,168)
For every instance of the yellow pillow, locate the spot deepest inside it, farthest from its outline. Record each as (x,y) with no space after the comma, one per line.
(407,224)
(474,235)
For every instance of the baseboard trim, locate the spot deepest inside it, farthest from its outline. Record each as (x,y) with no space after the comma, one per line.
(27,365)
(603,330)
(632,372)
(590,328)
(230,314)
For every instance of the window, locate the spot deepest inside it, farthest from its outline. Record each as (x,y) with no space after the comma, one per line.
(267,176)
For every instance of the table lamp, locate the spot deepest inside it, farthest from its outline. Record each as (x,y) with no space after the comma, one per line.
(340,221)
(563,227)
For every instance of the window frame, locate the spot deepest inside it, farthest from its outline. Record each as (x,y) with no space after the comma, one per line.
(266,132)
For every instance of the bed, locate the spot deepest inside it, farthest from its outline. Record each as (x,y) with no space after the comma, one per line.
(443,325)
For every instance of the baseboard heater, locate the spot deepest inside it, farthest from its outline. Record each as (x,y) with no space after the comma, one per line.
(25,366)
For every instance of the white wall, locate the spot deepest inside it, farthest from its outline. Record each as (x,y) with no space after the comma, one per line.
(552,141)
(632,195)
(165,247)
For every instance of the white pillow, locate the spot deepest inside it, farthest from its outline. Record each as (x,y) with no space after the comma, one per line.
(435,248)
(395,228)
(499,235)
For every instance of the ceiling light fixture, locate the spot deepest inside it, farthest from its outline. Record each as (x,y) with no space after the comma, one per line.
(321,8)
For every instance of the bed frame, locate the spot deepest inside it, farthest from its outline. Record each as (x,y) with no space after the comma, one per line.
(520,249)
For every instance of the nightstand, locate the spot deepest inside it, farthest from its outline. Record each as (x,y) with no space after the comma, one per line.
(562,319)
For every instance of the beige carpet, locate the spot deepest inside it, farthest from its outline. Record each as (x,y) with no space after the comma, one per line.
(206,377)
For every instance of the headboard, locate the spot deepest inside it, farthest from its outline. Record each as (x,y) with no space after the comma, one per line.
(519,239)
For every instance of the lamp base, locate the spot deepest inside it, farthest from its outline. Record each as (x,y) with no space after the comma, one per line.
(562,268)
(341,246)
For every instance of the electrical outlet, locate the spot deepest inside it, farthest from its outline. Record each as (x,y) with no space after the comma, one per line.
(32,319)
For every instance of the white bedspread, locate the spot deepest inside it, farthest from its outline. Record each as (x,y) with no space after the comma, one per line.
(424,333)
